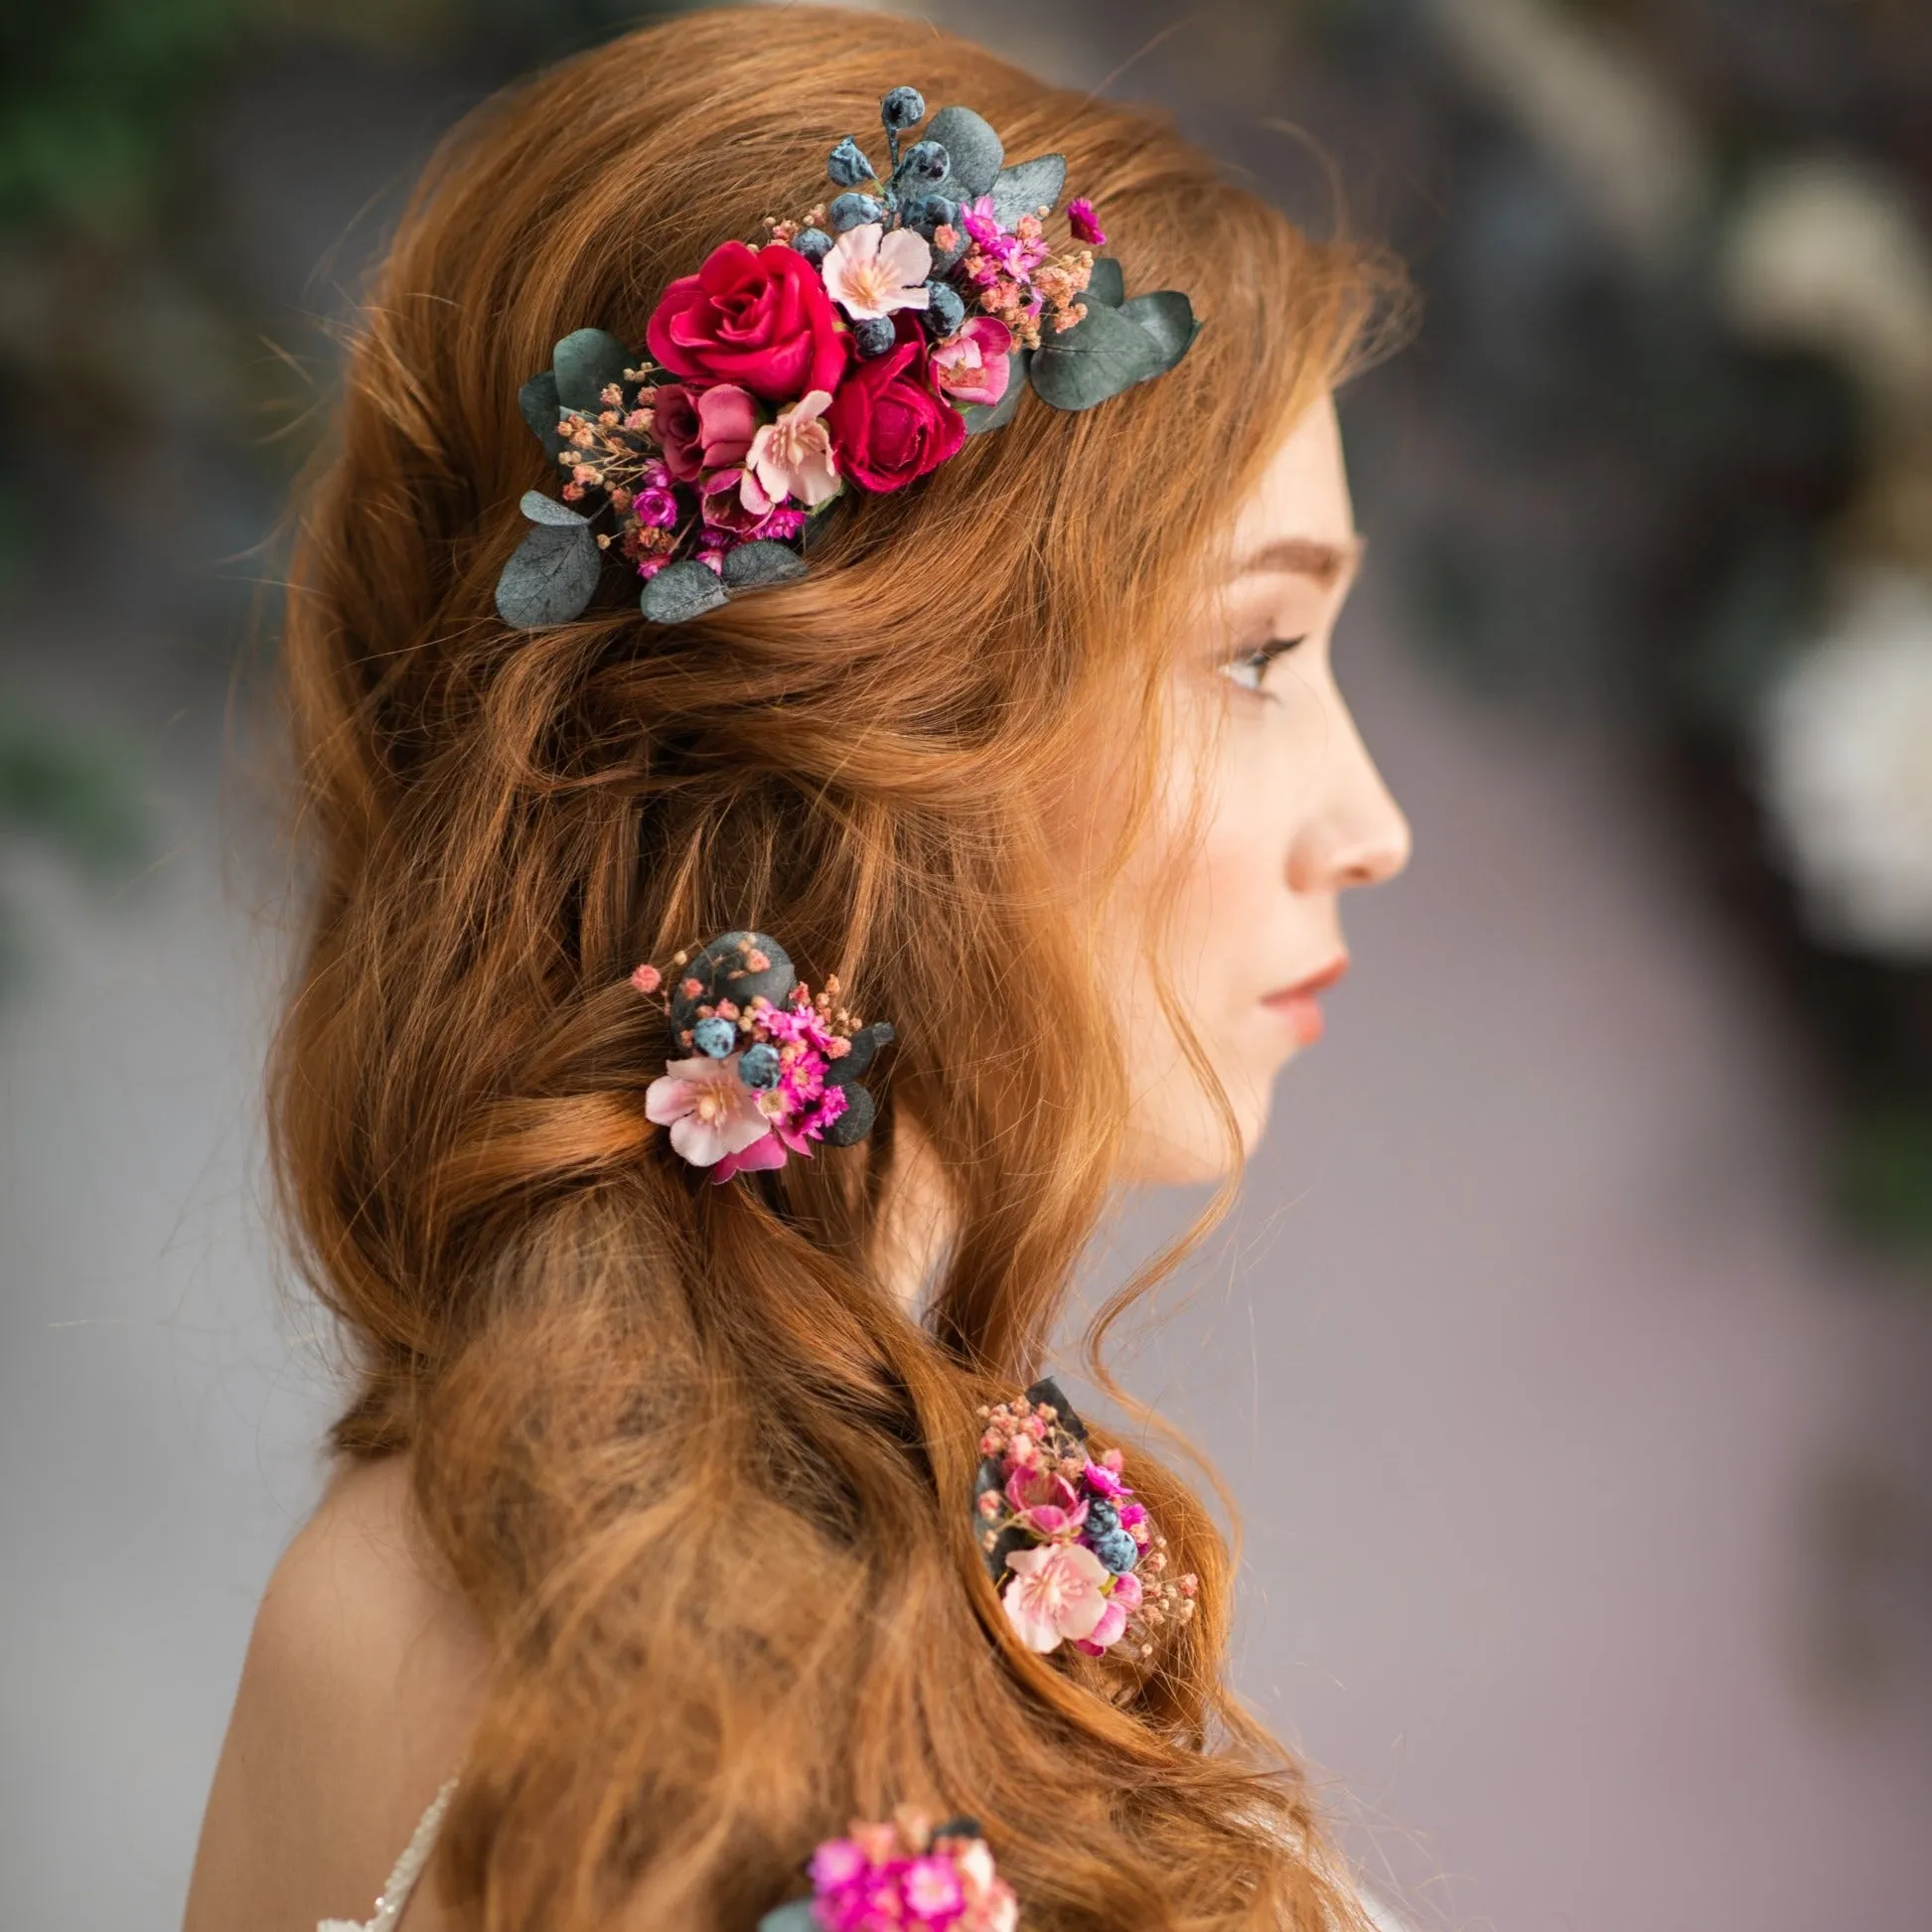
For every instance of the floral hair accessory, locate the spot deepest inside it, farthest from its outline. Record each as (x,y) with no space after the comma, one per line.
(905,1874)
(860,345)
(1082,1561)
(767,1069)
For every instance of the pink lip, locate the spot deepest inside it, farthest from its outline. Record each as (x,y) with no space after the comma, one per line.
(1299,1004)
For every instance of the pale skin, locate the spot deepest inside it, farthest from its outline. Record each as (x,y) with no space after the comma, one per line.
(366,1670)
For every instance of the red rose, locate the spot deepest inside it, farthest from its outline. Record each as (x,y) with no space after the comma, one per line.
(889,422)
(761,320)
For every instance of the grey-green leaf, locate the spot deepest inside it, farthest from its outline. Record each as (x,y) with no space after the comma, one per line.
(538,399)
(1028,187)
(1106,284)
(864,1045)
(856,1121)
(763,563)
(797,1916)
(585,362)
(551,577)
(680,592)
(975,149)
(540,509)
(1168,316)
(1096,359)
(982,417)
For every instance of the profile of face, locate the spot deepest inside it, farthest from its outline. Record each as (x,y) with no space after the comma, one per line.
(1282,811)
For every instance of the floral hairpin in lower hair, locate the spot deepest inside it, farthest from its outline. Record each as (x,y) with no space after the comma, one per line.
(1079,1559)
(859,345)
(908,1874)
(765,1068)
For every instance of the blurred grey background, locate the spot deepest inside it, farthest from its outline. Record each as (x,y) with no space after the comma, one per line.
(1568,1355)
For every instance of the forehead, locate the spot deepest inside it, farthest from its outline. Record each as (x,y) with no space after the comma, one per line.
(1303,491)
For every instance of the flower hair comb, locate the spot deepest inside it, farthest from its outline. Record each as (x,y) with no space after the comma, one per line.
(859,345)
(1086,1565)
(769,1068)
(908,1876)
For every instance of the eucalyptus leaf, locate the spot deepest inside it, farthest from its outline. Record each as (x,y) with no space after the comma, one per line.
(1096,359)
(797,1916)
(763,563)
(538,399)
(1106,284)
(551,577)
(975,149)
(1168,316)
(865,1045)
(1028,187)
(540,509)
(586,363)
(982,417)
(680,592)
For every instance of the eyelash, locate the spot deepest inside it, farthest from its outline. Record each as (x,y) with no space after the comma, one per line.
(1257,663)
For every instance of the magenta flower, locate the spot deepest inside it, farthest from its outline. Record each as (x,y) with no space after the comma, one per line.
(932,1889)
(973,365)
(711,1112)
(1085,223)
(1055,1591)
(654,507)
(1103,1481)
(1048,1504)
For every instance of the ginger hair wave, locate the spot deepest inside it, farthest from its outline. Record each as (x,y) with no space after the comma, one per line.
(703,1477)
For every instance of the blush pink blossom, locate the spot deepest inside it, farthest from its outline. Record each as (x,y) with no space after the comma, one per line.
(973,366)
(711,1112)
(1055,1591)
(1122,1602)
(791,457)
(870,274)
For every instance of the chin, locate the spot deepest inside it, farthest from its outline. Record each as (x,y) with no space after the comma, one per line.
(1183,1142)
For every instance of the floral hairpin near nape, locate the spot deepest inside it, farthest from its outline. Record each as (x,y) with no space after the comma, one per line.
(905,1874)
(766,1068)
(859,345)
(1082,1561)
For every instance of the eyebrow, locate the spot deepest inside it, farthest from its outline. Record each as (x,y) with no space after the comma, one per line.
(1303,556)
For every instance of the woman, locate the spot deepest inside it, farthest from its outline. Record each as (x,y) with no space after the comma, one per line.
(655,1530)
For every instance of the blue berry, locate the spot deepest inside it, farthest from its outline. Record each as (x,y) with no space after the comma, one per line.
(854,211)
(847,166)
(714,1036)
(1102,1518)
(902,108)
(945,312)
(926,161)
(874,336)
(757,1067)
(814,244)
(1117,1550)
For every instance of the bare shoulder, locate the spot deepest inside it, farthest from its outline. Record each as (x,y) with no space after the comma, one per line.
(361,1683)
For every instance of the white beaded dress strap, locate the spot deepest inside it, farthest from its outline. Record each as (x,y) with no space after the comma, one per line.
(408,1868)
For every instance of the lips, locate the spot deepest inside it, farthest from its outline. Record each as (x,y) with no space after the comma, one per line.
(1299,1006)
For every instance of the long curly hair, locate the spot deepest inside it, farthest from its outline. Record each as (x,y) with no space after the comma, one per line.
(703,1476)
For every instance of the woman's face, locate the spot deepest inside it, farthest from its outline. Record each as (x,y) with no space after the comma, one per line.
(1289,813)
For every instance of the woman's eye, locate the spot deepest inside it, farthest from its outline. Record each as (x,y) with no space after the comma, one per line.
(1250,669)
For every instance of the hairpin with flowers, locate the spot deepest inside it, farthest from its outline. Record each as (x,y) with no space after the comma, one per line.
(908,1875)
(859,345)
(767,1067)
(1082,1561)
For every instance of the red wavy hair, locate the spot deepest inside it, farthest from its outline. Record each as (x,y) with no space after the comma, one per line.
(704,1481)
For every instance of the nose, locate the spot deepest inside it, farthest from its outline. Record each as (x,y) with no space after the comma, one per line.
(1360,835)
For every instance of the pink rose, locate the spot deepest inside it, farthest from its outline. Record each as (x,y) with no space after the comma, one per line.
(703,429)
(1055,1591)
(888,424)
(759,319)
(973,366)
(674,410)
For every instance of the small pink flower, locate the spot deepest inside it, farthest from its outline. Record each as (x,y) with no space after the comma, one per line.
(973,365)
(711,1112)
(1122,1601)
(1085,223)
(792,456)
(1056,1592)
(837,1861)
(933,1890)
(1104,1481)
(647,978)
(1047,1502)
(870,274)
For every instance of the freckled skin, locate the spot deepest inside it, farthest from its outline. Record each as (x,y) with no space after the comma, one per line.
(1292,812)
